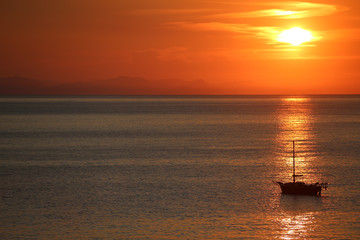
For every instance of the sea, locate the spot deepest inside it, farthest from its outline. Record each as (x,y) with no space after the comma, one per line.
(178,167)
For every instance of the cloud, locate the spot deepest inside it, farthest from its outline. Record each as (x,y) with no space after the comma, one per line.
(171,11)
(228,20)
(264,32)
(266,9)
(228,27)
(286,10)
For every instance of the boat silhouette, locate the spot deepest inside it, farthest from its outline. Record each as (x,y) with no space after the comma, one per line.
(301,188)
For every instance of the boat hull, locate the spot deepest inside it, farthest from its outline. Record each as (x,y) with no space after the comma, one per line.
(299,188)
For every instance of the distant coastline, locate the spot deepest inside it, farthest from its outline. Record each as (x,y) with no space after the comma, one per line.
(128,86)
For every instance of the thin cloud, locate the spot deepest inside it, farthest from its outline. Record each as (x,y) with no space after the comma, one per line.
(281,10)
(260,32)
(171,11)
(287,10)
(267,33)
(225,22)
(227,27)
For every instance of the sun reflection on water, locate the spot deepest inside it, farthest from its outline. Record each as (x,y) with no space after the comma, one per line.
(295,120)
(297,219)
(296,99)
(295,123)
(296,227)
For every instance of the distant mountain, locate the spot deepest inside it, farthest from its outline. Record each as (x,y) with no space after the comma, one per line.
(123,85)
(22,86)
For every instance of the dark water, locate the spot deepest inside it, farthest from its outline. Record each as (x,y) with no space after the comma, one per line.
(177,167)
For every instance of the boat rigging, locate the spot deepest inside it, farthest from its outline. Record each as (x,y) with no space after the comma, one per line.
(301,188)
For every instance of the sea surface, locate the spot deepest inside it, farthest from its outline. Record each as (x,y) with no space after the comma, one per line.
(183,167)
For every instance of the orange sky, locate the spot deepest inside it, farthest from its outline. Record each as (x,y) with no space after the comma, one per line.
(179,46)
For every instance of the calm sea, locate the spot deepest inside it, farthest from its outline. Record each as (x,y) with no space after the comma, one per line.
(178,167)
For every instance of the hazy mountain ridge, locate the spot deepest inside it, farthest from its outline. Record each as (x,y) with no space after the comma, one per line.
(123,85)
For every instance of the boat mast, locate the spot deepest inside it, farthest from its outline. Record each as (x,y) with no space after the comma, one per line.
(294,161)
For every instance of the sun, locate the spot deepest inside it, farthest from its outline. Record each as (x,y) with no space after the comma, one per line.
(295,36)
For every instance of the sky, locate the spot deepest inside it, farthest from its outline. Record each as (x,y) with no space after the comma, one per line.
(178,47)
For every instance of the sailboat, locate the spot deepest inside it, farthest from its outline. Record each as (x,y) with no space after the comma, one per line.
(301,188)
